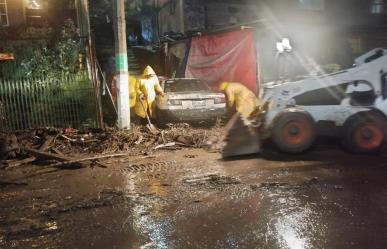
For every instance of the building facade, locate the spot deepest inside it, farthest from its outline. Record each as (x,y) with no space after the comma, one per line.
(190,16)
(16,13)
(12,13)
(321,32)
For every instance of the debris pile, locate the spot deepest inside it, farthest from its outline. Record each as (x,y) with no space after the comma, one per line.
(57,144)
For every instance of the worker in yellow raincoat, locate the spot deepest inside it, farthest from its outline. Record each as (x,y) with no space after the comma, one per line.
(147,88)
(132,81)
(239,98)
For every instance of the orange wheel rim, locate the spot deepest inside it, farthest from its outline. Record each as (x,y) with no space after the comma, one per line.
(295,132)
(369,136)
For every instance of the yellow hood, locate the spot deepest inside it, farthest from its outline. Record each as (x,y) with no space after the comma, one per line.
(223,86)
(148,71)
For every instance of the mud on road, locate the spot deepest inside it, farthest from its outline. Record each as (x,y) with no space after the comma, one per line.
(191,199)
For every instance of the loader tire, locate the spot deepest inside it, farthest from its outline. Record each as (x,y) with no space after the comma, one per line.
(294,132)
(365,133)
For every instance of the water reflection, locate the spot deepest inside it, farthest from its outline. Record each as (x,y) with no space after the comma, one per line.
(146,220)
(298,224)
(154,229)
(275,217)
(289,234)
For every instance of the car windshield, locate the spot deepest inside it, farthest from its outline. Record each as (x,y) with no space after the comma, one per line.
(185,85)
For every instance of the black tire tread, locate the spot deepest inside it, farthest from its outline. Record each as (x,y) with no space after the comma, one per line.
(350,126)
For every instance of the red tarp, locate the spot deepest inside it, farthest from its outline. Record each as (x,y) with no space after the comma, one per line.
(224,57)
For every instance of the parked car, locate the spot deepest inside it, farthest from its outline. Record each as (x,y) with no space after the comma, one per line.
(189,100)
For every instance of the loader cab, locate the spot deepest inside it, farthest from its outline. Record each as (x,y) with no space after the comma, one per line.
(361,93)
(356,93)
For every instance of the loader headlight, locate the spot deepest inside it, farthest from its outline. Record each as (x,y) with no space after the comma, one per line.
(284,46)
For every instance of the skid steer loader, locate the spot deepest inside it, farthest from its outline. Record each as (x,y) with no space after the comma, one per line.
(351,104)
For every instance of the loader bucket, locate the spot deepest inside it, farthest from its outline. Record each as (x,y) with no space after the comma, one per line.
(241,139)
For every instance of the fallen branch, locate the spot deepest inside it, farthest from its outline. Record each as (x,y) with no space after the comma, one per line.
(185,145)
(44,155)
(139,140)
(72,164)
(163,137)
(67,138)
(196,179)
(47,143)
(57,151)
(17,163)
(5,184)
(80,141)
(165,145)
(98,164)
(173,148)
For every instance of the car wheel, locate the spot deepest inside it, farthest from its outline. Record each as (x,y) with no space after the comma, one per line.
(365,133)
(294,132)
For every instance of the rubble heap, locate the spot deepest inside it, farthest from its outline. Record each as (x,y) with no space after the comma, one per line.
(57,143)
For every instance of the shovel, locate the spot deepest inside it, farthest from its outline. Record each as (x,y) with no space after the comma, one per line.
(150,126)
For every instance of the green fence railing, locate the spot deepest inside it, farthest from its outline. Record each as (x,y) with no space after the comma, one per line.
(64,101)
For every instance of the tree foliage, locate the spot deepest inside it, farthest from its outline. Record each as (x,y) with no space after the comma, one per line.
(42,51)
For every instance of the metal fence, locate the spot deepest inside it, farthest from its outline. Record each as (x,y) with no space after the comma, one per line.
(64,101)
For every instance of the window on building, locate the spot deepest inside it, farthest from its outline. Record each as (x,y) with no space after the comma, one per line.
(312,4)
(378,7)
(3,13)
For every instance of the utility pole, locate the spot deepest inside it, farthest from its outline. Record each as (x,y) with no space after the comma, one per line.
(121,65)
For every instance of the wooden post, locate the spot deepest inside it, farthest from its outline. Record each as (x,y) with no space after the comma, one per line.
(83,19)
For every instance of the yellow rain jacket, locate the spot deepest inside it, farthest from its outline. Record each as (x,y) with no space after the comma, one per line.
(240,97)
(148,85)
(132,91)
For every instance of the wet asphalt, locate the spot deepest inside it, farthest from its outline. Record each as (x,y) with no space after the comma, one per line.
(192,199)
